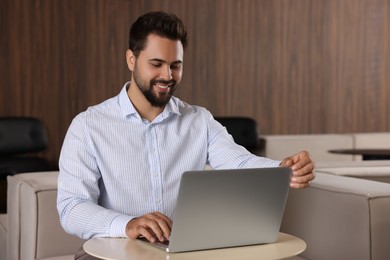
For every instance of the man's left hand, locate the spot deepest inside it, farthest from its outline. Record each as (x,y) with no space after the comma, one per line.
(303,169)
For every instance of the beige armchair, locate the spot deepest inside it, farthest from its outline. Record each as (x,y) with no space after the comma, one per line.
(341,217)
(31,227)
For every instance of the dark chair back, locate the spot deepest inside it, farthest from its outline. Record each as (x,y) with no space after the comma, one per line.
(243,130)
(20,136)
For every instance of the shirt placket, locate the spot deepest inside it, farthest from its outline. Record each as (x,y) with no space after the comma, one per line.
(155,169)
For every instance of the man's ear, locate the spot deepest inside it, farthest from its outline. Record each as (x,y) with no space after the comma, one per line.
(130,59)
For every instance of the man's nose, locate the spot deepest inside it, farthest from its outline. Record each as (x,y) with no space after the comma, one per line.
(166,73)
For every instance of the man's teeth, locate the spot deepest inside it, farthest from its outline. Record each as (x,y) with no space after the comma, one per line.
(162,86)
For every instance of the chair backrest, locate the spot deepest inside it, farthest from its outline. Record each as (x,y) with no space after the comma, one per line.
(243,130)
(21,135)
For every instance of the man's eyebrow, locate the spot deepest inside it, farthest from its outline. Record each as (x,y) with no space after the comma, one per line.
(163,61)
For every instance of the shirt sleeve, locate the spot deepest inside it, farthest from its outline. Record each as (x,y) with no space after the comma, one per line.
(78,189)
(224,153)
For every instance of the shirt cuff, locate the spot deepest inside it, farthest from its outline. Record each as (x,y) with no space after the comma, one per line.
(118,226)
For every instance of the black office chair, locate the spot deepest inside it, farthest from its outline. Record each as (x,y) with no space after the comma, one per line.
(19,138)
(244,131)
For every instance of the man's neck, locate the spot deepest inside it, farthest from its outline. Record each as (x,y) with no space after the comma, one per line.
(141,104)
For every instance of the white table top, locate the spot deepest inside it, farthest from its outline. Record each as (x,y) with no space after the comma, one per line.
(122,248)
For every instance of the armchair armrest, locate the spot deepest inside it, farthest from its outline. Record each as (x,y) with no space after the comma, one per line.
(340,218)
(34,230)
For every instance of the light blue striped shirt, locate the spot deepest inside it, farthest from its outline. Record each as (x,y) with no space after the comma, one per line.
(115,166)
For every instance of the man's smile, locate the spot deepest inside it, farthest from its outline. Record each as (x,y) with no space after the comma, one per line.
(162,88)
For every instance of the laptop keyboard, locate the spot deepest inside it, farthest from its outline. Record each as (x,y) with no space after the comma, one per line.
(157,243)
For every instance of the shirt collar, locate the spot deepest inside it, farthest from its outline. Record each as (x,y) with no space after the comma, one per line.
(128,108)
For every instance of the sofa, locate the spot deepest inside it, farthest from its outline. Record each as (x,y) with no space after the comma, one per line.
(280,146)
(31,227)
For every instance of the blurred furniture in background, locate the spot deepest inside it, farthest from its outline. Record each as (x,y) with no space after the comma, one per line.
(244,131)
(280,146)
(367,154)
(31,228)
(19,138)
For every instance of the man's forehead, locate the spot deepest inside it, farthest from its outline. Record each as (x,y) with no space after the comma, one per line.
(157,47)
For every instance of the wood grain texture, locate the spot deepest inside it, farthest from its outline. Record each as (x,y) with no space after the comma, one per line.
(297,66)
(59,58)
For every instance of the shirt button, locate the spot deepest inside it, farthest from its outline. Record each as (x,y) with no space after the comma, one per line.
(158,200)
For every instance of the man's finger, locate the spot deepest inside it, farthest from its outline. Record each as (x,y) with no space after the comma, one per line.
(287,162)
(152,226)
(165,218)
(162,226)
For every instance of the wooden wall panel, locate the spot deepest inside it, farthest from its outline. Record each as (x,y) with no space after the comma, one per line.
(295,66)
(60,57)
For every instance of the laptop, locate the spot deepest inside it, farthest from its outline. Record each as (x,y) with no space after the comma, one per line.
(228,208)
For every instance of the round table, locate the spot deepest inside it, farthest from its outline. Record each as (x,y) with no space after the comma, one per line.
(367,154)
(122,248)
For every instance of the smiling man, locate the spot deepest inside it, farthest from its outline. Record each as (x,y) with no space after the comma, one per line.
(122,160)
(157,70)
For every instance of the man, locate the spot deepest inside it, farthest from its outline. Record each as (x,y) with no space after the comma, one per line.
(122,160)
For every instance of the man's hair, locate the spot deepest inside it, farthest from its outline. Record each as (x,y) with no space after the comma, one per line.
(159,23)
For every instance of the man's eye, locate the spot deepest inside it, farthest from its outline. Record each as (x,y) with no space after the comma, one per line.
(175,66)
(156,65)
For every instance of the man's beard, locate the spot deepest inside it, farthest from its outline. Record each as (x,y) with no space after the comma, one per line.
(155,100)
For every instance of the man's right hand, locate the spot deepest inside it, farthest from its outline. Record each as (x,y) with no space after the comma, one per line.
(153,226)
